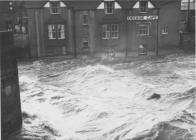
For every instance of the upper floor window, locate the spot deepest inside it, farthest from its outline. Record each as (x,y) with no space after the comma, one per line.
(164,30)
(143,28)
(109,7)
(85,19)
(143,6)
(56,31)
(55,7)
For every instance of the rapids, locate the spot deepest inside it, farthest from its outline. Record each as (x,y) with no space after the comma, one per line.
(92,99)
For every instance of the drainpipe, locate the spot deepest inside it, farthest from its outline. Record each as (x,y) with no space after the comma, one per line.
(74,33)
(188,16)
(37,34)
(126,49)
(157,45)
(21,20)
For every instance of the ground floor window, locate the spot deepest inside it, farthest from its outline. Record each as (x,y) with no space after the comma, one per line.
(85,43)
(56,31)
(110,31)
(114,31)
(20,26)
(164,30)
(143,28)
(61,31)
(9,25)
(51,32)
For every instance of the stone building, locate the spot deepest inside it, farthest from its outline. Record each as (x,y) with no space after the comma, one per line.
(63,27)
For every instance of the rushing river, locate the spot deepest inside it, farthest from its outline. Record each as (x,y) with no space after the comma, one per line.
(87,99)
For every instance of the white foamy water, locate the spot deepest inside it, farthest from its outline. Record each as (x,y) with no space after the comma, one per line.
(82,99)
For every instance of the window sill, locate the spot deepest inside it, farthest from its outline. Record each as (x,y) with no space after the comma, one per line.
(143,12)
(115,38)
(55,13)
(84,24)
(85,47)
(110,38)
(56,39)
(109,13)
(143,36)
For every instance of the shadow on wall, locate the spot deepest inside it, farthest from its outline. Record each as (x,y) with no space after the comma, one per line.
(187,42)
(11,119)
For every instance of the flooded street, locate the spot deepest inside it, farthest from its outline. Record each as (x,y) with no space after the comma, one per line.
(86,98)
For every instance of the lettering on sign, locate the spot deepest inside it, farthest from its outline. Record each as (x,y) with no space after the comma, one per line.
(151,17)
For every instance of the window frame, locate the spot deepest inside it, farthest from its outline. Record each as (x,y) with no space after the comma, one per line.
(164,30)
(85,46)
(106,7)
(83,19)
(57,7)
(140,29)
(51,32)
(56,31)
(83,42)
(145,6)
(62,31)
(114,31)
(9,25)
(108,32)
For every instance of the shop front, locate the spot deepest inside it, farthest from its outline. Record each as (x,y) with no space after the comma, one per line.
(142,28)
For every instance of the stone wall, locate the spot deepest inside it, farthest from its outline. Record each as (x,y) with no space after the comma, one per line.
(11,119)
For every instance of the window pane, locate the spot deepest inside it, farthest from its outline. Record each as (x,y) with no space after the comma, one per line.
(55,7)
(104,27)
(61,31)
(51,32)
(143,6)
(54,31)
(112,27)
(110,31)
(105,31)
(109,6)
(103,34)
(164,30)
(108,34)
(85,44)
(85,19)
(114,31)
(143,28)
(9,25)
(116,34)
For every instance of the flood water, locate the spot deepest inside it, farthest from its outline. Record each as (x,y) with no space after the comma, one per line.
(87,99)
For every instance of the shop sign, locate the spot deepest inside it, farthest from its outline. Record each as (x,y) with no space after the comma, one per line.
(151,17)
